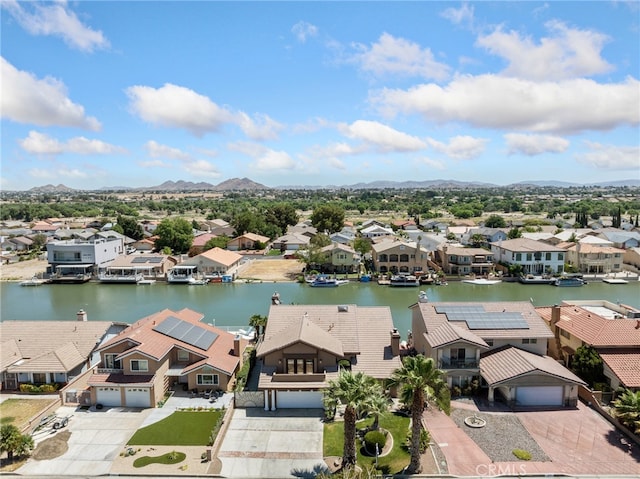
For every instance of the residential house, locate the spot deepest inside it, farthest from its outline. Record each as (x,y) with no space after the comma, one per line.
(150,266)
(304,347)
(395,256)
(499,345)
(612,329)
(490,235)
(621,239)
(291,242)
(50,352)
(45,227)
(200,240)
(631,258)
(17,243)
(248,241)
(145,244)
(407,225)
(590,259)
(303,228)
(535,257)
(340,258)
(68,258)
(373,222)
(215,262)
(376,231)
(165,350)
(459,232)
(464,261)
(569,234)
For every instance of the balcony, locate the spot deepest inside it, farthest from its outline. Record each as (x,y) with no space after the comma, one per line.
(302,378)
(109,371)
(458,364)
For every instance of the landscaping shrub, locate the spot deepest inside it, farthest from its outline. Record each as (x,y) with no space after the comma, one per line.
(243,374)
(425,438)
(43,388)
(522,454)
(372,438)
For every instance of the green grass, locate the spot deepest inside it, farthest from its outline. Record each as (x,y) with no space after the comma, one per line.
(182,428)
(392,463)
(168,458)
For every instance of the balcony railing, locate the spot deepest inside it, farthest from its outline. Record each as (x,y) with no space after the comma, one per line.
(458,364)
(109,371)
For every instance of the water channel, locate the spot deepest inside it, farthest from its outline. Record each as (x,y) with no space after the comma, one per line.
(231,305)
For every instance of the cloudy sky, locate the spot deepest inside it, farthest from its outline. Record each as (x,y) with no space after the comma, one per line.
(123,93)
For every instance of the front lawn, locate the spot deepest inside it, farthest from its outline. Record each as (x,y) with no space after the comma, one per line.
(182,428)
(393,463)
(19,411)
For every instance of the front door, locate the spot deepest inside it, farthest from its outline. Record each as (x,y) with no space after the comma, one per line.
(10,381)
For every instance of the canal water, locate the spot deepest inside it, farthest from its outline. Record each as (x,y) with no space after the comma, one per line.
(231,305)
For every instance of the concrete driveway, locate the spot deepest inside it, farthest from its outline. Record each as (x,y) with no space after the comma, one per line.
(283,443)
(97,437)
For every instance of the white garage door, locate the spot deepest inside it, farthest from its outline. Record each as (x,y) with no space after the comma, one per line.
(108,396)
(137,397)
(299,399)
(539,396)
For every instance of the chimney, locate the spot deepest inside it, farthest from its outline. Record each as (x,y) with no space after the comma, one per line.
(637,323)
(236,345)
(555,315)
(395,342)
(81,315)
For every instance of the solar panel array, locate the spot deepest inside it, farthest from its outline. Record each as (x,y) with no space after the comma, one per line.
(147,259)
(186,332)
(477,318)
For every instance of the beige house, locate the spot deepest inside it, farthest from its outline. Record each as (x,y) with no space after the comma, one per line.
(396,256)
(612,329)
(463,261)
(500,345)
(165,350)
(304,347)
(340,258)
(215,262)
(149,266)
(247,241)
(593,259)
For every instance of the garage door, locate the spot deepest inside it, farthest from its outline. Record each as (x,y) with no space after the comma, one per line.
(108,396)
(539,396)
(299,399)
(137,397)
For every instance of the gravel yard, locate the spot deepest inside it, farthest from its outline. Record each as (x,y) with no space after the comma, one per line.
(502,434)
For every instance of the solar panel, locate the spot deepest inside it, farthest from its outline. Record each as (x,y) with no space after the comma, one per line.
(139,259)
(186,332)
(477,318)
(155,259)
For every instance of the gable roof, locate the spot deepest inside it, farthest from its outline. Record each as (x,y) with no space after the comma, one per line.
(448,333)
(526,245)
(304,331)
(217,255)
(625,364)
(506,363)
(146,340)
(31,347)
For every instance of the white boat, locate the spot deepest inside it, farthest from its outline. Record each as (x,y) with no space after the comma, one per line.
(323,281)
(403,280)
(615,281)
(569,281)
(482,281)
(197,282)
(146,281)
(35,281)
(531,279)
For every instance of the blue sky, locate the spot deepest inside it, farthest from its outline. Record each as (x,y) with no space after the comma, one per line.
(123,93)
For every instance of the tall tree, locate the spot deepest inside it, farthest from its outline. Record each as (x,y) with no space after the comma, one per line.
(174,233)
(352,390)
(419,380)
(588,364)
(282,215)
(130,227)
(259,322)
(328,217)
(495,221)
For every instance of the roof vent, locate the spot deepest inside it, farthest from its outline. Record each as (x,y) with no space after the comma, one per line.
(343,308)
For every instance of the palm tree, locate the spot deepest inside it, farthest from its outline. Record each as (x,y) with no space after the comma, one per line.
(419,380)
(627,409)
(376,405)
(352,390)
(257,321)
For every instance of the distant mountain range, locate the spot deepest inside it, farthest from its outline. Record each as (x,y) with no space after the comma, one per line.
(245,184)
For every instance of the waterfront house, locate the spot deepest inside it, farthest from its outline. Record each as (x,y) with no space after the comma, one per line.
(305,346)
(396,256)
(339,258)
(76,258)
(464,261)
(148,266)
(612,329)
(631,259)
(535,257)
(500,345)
(168,349)
(50,352)
(591,259)
(215,262)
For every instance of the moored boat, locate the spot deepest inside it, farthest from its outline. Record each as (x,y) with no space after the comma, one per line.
(482,281)
(401,280)
(34,281)
(531,279)
(569,281)
(323,281)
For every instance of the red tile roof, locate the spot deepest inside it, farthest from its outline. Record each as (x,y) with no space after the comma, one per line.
(625,364)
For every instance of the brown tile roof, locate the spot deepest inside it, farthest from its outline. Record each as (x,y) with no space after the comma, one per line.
(625,364)
(460,251)
(537,328)
(50,346)
(593,329)
(219,255)
(349,329)
(448,333)
(202,239)
(503,364)
(9,353)
(156,345)
(111,379)
(526,245)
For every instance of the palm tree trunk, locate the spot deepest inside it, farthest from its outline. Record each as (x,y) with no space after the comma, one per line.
(349,450)
(417,407)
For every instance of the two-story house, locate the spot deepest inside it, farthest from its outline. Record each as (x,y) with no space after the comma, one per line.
(165,350)
(463,261)
(612,329)
(535,257)
(75,260)
(340,258)
(305,346)
(396,256)
(501,345)
(591,259)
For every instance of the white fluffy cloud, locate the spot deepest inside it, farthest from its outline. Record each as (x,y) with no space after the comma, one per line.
(381,136)
(434,164)
(611,157)
(490,101)
(43,144)
(567,53)
(64,172)
(460,147)
(156,150)
(460,15)
(532,145)
(202,168)
(26,99)
(55,18)
(398,56)
(303,30)
(264,158)
(190,164)
(179,107)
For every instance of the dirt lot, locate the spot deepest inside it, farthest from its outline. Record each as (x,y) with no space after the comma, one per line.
(22,270)
(272,270)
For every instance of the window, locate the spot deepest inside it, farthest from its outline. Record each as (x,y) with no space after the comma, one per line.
(529,340)
(565,334)
(139,365)
(299,366)
(183,355)
(110,361)
(207,380)
(518,256)
(529,256)
(547,257)
(560,256)
(39,378)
